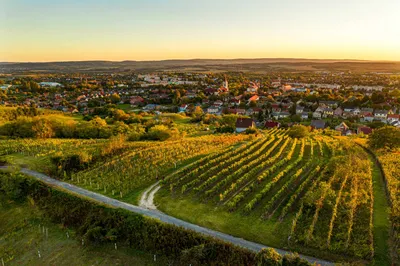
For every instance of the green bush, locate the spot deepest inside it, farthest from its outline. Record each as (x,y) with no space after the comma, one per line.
(298,131)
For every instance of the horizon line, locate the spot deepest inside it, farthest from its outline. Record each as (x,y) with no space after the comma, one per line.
(194,59)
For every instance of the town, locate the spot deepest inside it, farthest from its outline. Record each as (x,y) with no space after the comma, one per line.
(261,101)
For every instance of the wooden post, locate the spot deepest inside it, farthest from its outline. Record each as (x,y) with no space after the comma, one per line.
(115,245)
(2,262)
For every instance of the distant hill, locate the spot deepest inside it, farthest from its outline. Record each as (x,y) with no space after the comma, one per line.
(204,65)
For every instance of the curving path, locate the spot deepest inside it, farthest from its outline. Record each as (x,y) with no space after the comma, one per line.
(153,213)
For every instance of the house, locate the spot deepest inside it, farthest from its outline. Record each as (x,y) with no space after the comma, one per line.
(205,101)
(366,111)
(395,123)
(211,91)
(368,118)
(317,114)
(271,124)
(320,109)
(253,111)
(299,110)
(338,112)
(356,111)
(275,108)
(183,108)
(348,109)
(304,115)
(136,100)
(275,115)
(283,115)
(252,89)
(244,123)
(286,106)
(393,118)
(237,111)
(328,112)
(318,124)
(236,100)
(253,98)
(364,130)
(5,86)
(213,110)
(150,107)
(218,103)
(347,132)
(342,128)
(331,104)
(381,114)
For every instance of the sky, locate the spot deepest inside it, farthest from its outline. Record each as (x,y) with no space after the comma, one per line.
(61,30)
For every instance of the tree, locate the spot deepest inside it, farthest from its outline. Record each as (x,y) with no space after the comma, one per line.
(197,114)
(34,86)
(268,257)
(298,131)
(42,128)
(294,260)
(119,115)
(295,118)
(253,104)
(260,115)
(161,132)
(115,98)
(387,137)
(177,97)
(229,120)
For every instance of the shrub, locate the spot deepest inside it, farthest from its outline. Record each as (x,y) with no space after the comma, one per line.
(387,137)
(298,131)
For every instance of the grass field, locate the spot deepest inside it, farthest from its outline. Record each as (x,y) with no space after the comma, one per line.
(21,239)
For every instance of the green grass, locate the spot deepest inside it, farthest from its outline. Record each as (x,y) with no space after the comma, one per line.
(381,218)
(268,232)
(125,107)
(20,240)
(41,164)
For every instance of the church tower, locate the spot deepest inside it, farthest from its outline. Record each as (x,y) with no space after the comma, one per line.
(225,83)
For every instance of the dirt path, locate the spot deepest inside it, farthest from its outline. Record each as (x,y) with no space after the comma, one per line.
(147,199)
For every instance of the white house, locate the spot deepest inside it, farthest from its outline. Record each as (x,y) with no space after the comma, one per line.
(213,110)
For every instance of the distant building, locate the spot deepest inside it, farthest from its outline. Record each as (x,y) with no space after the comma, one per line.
(318,124)
(271,124)
(244,123)
(364,130)
(49,84)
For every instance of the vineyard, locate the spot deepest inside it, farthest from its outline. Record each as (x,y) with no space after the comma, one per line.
(320,186)
(391,166)
(317,191)
(116,167)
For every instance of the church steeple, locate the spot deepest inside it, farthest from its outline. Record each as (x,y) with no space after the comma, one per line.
(225,83)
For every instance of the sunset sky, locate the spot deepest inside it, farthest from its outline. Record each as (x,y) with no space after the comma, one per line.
(55,30)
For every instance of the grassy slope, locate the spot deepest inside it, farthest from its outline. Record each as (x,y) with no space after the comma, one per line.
(20,241)
(381,218)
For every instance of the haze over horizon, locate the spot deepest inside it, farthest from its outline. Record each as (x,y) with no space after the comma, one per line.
(48,31)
